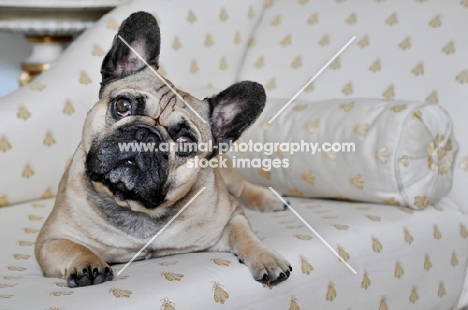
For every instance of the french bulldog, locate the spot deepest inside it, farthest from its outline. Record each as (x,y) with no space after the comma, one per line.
(111,203)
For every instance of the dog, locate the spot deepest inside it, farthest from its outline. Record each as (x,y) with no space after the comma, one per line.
(111,203)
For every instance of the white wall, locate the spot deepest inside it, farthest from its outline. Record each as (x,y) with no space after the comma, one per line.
(13,49)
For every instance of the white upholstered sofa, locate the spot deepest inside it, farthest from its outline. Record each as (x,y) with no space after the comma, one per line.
(409,55)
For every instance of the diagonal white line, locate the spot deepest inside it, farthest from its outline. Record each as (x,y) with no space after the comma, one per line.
(162,79)
(161,230)
(311,80)
(313,230)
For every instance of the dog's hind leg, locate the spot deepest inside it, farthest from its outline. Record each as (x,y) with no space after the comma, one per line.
(254,196)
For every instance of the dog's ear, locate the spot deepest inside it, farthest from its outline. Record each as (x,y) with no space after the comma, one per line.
(141,31)
(235,109)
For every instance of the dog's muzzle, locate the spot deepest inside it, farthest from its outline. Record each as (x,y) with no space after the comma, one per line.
(130,163)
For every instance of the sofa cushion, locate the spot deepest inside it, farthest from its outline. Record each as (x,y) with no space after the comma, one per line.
(404,260)
(404,50)
(398,153)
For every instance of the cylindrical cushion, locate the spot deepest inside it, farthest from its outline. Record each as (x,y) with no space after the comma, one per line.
(403,151)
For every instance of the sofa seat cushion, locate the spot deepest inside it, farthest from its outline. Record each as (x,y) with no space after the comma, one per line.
(403,259)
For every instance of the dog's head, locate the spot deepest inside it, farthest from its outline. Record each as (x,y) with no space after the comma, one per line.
(136,107)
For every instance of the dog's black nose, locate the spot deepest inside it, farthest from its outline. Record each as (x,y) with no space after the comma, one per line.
(141,134)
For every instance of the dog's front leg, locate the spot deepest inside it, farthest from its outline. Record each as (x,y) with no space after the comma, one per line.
(74,262)
(265,264)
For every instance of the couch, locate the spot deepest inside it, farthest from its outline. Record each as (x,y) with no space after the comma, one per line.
(405,52)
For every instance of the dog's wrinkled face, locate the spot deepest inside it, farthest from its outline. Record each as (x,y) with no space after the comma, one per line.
(135,106)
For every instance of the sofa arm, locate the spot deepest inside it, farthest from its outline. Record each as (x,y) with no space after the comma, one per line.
(41,123)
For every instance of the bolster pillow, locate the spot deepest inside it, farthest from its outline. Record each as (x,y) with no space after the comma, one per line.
(403,151)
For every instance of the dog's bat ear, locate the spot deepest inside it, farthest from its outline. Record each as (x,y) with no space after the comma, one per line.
(141,31)
(235,109)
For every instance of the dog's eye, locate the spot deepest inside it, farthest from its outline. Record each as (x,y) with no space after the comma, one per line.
(123,107)
(185,146)
(183,139)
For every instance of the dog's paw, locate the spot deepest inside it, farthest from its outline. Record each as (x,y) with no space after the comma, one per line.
(262,199)
(90,272)
(268,266)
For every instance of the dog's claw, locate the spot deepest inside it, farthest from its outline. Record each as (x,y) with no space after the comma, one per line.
(107,271)
(266,278)
(72,281)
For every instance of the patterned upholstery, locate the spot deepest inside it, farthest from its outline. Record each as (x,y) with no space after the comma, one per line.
(404,260)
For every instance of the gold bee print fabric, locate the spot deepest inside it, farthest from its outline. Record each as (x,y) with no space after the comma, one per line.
(398,153)
(403,259)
